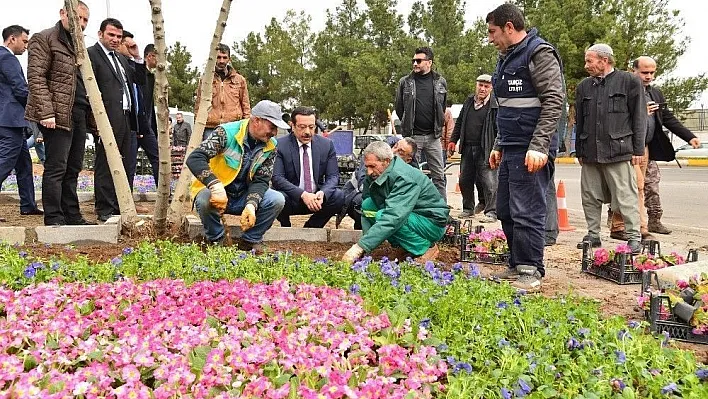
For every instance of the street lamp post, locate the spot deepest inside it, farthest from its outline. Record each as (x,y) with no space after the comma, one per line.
(108,8)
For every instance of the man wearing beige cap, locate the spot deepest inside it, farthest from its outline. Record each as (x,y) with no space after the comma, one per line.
(233,168)
(611,125)
(476,130)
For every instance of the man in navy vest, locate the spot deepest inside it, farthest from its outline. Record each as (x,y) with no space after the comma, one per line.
(528,85)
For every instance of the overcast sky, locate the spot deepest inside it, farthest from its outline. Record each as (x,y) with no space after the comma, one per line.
(192,22)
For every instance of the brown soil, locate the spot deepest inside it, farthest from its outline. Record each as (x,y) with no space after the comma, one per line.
(563,275)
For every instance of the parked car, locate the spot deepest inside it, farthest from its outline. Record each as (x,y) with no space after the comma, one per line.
(686,151)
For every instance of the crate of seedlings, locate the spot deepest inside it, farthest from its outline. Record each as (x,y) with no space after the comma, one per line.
(454,230)
(683,315)
(483,246)
(617,265)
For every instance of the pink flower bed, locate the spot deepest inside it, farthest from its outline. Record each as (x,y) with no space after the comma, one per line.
(163,339)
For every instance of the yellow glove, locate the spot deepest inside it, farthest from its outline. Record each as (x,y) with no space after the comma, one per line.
(353,253)
(248,217)
(218,197)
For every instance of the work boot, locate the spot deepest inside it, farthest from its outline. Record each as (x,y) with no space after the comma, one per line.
(655,225)
(255,247)
(479,208)
(510,274)
(529,279)
(646,236)
(595,242)
(619,235)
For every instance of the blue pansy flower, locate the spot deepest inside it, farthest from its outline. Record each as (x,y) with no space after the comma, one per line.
(354,289)
(621,357)
(425,323)
(702,374)
(671,388)
(505,393)
(29,272)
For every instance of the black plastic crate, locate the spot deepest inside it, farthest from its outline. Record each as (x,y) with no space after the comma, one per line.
(665,321)
(344,177)
(650,277)
(622,270)
(89,158)
(467,254)
(452,233)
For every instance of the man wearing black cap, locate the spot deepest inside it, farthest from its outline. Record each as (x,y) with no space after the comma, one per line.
(233,168)
(476,130)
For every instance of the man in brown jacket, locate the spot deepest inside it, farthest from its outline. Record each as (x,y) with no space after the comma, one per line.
(229,96)
(59,104)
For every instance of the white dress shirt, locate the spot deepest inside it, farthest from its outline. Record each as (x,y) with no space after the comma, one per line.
(302,170)
(126,93)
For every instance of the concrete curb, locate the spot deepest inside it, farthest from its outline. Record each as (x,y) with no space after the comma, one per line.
(195,230)
(683,162)
(107,233)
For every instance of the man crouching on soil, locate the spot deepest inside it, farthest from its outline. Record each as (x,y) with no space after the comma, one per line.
(400,205)
(233,168)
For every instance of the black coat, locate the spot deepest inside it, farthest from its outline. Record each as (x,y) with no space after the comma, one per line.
(489,128)
(110,86)
(660,148)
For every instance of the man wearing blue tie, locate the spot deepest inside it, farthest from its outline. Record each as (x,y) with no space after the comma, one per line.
(13,99)
(306,172)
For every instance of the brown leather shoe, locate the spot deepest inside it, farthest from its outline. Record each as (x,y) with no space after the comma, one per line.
(646,236)
(619,235)
(431,254)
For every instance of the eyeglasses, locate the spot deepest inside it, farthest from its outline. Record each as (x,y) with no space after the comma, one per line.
(419,60)
(303,127)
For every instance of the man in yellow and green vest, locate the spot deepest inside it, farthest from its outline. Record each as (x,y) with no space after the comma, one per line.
(233,167)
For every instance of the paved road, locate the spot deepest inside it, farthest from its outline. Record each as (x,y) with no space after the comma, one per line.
(684,196)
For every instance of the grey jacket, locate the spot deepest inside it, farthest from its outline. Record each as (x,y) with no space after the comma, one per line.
(405,103)
(611,118)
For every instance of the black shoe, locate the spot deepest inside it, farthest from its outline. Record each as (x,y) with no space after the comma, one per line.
(619,235)
(594,241)
(634,246)
(550,242)
(104,218)
(35,211)
(80,222)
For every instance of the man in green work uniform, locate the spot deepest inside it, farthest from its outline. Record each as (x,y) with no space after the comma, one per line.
(400,205)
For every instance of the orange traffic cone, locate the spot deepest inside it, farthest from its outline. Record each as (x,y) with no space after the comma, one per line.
(457,186)
(563,223)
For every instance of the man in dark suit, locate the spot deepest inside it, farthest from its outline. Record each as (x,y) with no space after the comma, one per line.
(13,99)
(115,79)
(306,172)
(148,140)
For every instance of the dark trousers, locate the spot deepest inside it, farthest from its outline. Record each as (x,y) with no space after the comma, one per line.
(551,204)
(106,201)
(521,208)
(64,160)
(475,171)
(148,142)
(15,155)
(331,206)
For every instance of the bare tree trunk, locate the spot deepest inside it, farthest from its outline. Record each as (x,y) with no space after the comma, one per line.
(180,197)
(115,163)
(163,115)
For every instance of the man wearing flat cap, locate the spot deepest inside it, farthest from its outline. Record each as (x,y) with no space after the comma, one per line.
(611,125)
(233,168)
(476,130)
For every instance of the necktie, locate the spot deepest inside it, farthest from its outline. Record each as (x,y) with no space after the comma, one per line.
(307,175)
(120,77)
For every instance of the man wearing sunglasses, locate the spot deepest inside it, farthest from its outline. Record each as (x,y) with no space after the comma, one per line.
(420,104)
